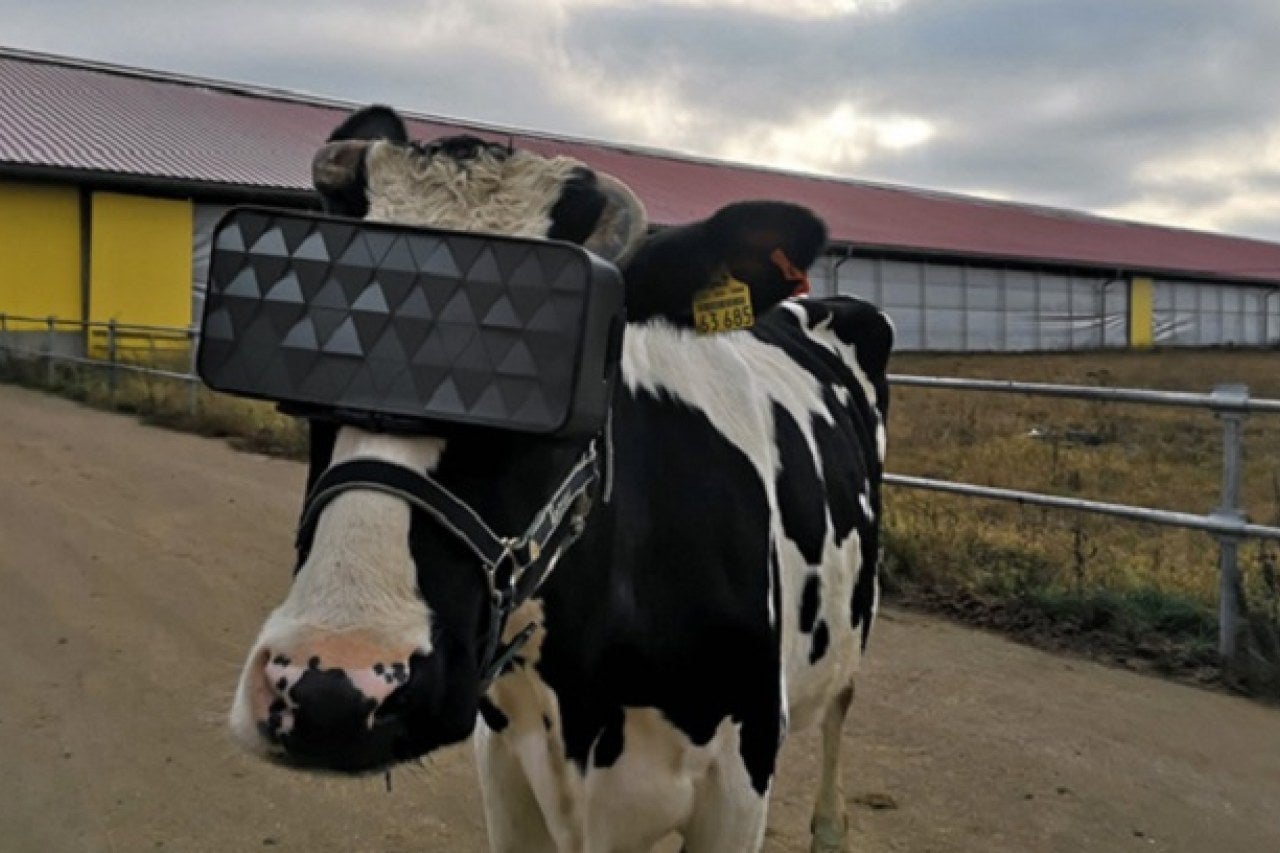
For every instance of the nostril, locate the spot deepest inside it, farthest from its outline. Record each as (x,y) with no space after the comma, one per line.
(395,704)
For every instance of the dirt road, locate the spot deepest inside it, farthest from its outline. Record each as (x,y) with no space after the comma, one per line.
(136,565)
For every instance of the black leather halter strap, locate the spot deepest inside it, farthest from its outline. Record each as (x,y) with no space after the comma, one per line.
(514,567)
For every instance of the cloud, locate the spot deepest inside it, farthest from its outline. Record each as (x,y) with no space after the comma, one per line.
(1234,182)
(1157,109)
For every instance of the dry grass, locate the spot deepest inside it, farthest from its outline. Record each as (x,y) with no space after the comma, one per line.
(248,424)
(1067,577)
(1134,593)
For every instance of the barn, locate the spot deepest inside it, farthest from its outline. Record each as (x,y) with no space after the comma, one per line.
(112,177)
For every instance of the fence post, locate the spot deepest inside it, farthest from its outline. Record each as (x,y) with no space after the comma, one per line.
(1229,407)
(112,379)
(48,344)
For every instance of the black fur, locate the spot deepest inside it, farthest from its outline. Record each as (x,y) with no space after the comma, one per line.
(676,263)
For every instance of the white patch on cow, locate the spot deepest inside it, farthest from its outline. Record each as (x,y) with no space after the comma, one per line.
(511,195)
(359,580)
(707,373)
(730,378)
(867,512)
(359,573)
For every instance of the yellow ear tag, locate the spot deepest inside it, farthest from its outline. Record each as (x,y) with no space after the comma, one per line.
(723,307)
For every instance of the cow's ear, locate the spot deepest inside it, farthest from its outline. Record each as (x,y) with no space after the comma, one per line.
(768,244)
(372,122)
(622,223)
(337,170)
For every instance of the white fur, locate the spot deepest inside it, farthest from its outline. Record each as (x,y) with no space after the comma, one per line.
(512,195)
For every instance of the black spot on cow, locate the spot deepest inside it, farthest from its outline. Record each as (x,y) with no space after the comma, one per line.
(804,518)
(492,715)
(821,640)
(843,468)
(670,621)
(864,589)
(810,599)
(330,721)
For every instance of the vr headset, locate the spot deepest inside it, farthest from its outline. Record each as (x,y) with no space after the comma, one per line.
(408,329)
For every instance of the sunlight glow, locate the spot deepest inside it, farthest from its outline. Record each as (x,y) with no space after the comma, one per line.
(1223,188)
(839,140)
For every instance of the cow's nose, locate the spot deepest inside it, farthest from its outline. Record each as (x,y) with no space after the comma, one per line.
(313,710)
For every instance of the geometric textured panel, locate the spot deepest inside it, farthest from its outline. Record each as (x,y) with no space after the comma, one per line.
(329,314)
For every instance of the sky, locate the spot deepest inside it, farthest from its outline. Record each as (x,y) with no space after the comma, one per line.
(1163,111)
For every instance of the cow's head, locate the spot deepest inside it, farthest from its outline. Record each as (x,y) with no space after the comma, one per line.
(375,655)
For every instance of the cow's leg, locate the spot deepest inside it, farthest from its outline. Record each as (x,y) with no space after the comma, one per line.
(512,815)
(730,814)
(830,822)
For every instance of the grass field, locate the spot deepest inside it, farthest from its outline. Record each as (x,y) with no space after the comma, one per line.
(1137,594)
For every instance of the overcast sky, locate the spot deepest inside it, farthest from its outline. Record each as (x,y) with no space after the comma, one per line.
(1157,110)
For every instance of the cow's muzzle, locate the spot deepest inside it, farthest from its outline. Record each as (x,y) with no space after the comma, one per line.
(341,715)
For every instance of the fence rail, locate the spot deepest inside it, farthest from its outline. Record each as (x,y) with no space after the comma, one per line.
(36,338)
(1224,397)
(1231,404)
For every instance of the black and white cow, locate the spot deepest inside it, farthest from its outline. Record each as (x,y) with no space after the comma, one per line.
(721,592)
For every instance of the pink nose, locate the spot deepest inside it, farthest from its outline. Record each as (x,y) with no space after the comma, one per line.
(325,691)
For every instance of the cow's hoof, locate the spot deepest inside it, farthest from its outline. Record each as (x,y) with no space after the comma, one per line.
(829,837)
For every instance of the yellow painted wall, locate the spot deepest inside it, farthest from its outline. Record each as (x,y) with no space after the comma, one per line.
(1141,313)
(39,251)
(140,262)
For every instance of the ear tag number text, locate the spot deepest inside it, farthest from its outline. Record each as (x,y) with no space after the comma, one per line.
(723,307)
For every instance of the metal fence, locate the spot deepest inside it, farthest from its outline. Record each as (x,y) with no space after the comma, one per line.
(116,348)
(1231,404)
(107,345)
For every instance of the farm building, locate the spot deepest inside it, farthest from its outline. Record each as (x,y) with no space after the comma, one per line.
(111,179)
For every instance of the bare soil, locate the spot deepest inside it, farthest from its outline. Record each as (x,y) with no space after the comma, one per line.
(136,565)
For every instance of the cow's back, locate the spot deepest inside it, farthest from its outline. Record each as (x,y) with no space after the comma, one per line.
(830,442)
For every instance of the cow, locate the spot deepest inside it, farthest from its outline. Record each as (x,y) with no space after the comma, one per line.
(709,588)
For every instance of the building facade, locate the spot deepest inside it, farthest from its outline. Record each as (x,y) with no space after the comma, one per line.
(111,180)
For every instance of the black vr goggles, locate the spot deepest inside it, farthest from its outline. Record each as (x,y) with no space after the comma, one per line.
(407,329)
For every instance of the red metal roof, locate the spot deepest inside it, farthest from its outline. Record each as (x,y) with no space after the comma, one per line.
(62,114)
